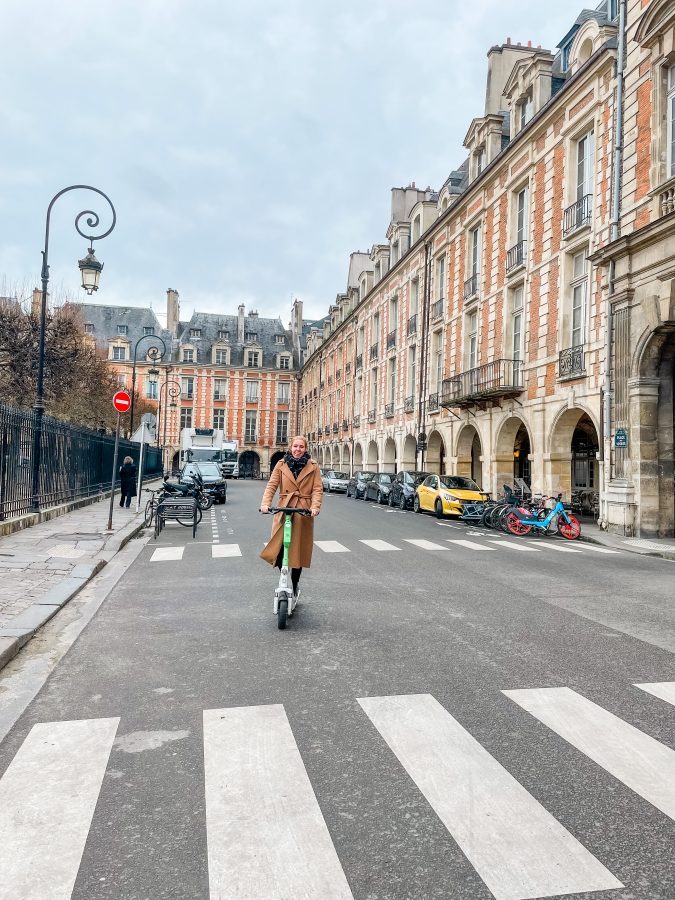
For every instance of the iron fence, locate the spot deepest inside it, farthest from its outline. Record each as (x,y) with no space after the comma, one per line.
(75,462)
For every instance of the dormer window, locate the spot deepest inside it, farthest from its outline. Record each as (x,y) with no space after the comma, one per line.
(279,339)
(524,111)
(223,335)
(119,354)
(251,336)
(284,362)
(394,252)
(88,328)
(416,229)
(188,355)
(220,356)
(612,9)
(195,332)
(565,56)
(123,329)
(148,329)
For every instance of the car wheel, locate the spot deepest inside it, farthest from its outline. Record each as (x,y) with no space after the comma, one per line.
(328,488)
(390,501)
(416,504)
(401,503)
(380,501)
(438,509)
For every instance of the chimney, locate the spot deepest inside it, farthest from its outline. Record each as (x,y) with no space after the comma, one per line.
(172,311)
(36,302)
(240,323)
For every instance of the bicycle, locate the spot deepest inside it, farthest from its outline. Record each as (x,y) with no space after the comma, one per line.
(568,526)
(151,505)
(285,600)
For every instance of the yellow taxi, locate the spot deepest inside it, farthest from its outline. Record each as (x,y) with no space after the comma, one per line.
(445,495)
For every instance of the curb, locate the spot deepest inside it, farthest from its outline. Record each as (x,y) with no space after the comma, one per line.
(25,626)
(662,554)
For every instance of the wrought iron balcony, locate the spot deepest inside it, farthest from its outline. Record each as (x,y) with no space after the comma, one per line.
(338,374)
(571,362)
(412,325)
(432,403)
(359,362)
(321,385)
(336,427)
(348,368)
(326,429)
(515,257)
(500,378)
(409,404)
(389,410)
(356,421)
(345,425)
(371,416)
(471,286)
(374,349)
(578,214)
(436,311)
(391,339)
(330,379)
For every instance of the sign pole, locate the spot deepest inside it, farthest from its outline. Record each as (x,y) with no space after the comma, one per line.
(140,468)
(114,472)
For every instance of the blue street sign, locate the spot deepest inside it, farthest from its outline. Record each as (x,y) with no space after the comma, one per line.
(621,438)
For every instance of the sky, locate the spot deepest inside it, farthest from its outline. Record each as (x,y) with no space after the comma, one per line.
(248,146)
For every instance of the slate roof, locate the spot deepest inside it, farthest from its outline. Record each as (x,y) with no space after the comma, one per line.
(210,324)
(105,320)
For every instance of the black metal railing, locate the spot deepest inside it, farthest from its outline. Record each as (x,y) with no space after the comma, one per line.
(409,404)
(436,309)
(330,380)
(371,416)
(432,403)
(578,214)
(389,410)
(571,362)
(391,339)
(335,427)
(348,368)
(75,462)
(321,385)
(356,421)
(412,325)
(471,286)
(500,378)
(338,374)
(359,362)
(515,256)
(345,425)
(374,350)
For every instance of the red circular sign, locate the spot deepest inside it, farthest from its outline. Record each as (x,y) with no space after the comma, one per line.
(121,401)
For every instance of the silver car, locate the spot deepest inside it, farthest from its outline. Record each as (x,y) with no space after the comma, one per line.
(335,482)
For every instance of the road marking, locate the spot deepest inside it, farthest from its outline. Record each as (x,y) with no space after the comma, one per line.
(266,836)
(331,547)
(164,553)
(664,690)
(470,545)
(551,545)
(223,550)
(513,546)
(518,848)
(636,759)
(379,545)
(425,545)
(47,800)
(599,549)
(448,525)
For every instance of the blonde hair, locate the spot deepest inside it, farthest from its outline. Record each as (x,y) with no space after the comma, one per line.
(128,459)
(298,437)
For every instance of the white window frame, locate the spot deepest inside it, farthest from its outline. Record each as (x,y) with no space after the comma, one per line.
(414,297)
(472,349)
(251,418)
(187,387)
(148,329)
(521,214)
(219,418)
(252,390)
(283,392)
(440,278)
(412,370)
(151,389)
(252,359)
(186,417)
(284,362)
(281,434)
(578,298)
(517,322)
(122,330)
(392,380)
(475,250)
(119,354)
(670,122)
(89,328)
(219,388)
(188,355)
(583,186)
(220,356)
(438,361)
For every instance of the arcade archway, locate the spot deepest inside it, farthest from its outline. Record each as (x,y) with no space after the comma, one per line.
(358,458)
(512,456)
(469,453)
(409,455)
(275,458)
(435,455)
(372,457)
(249,464)
(573,463)
(389,458)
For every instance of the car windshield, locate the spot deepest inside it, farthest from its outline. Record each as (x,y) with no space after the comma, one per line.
(365,476)
(385,479)
(415,478)
(206,470)
(457,483)
(341,476)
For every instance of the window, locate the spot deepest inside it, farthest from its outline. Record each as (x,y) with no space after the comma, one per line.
(584,166)
(472,341)
(373,388)
(252,358)
(412,370)
(521,216)
(186,417)
(524,111)
(358,401)
(187,387)
(394,252)
(612,9)
(437,376)
(517,299)
(88,328)
(219,388)
(252,391)
(188,355)
(251,336)
(283,392)
(414,296)
(474,251)
(579,285)
(284,362)
(121,381)
(279,339)
(151,389)
(440,278)
(376,328)
(565,52)
(123,329)
(148,329)
(480,160)
(220,357)
(219,419)
(416,229)
(251,426)
(393,314)
(282,428)
(119,353)
(195,332)
(223,335)
(392,380)
(670,118)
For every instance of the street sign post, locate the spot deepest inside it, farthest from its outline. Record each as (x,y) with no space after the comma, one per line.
(121,402)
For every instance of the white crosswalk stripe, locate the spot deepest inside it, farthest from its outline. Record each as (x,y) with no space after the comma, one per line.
(664,690)
(162,554)
(470,545)
(595,549)
(425,545)
(331,547)
(221,551)
(561,548)
(382,546)
(511,545)
(47,799)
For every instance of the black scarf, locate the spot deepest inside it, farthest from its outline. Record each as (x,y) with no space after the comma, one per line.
(296,465)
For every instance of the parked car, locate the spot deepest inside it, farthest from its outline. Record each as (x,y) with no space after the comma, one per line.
(356,486)
(402,492)
(212,476)
(445,495)
(335,481)
(378,487)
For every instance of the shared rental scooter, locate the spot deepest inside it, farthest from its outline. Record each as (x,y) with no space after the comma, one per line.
(285,600)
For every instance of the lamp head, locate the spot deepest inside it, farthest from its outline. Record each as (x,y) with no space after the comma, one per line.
(90,268)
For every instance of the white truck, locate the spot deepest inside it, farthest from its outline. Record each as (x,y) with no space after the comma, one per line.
(209,444)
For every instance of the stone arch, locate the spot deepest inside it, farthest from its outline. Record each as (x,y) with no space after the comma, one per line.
(335,457)
(275,458)
(373,457)
(585,51)
(513,449)
(469,454)
(435,455)
(249,464)
(389,455)
(345,463)
(358,457)
(572,463)
(409,453)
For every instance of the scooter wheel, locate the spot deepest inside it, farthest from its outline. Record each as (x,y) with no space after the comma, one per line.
(282,613)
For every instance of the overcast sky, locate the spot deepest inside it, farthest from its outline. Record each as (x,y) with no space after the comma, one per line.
(248,146)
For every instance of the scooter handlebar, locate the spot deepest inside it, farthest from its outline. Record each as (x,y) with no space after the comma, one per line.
(286,509)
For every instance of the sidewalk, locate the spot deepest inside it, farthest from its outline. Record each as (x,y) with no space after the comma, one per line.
(46,565)
(663,547)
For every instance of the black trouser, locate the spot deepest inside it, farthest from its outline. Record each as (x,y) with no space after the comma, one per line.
(128,500)
(295,573)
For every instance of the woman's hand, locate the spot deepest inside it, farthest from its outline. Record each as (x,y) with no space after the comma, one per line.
(315,513)
(264,509)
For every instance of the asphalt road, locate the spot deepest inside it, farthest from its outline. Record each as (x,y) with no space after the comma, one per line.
(445,720)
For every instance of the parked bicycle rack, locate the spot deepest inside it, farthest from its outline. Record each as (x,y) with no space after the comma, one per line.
(181,509)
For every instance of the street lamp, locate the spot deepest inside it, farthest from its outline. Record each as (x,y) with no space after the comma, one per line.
(155,354)
(172,389)
(90,269)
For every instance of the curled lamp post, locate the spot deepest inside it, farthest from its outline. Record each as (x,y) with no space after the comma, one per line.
(90,269)
(172,390)
(154,354)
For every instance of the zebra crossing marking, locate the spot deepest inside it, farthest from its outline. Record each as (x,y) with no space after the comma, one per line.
(516,846)
(551,545)
(470,545)
(264,840)
(225,550)
(513,546)
(382,546)
(162,554)
(664,690)
(639,761)
(424,545)
(47,799)
(332,547)
(595,549)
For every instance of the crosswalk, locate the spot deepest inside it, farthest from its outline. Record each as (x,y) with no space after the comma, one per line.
(265,833)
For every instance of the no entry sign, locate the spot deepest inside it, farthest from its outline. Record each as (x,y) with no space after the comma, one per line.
(121,401)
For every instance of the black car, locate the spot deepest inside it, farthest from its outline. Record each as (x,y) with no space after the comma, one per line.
(211,475)
(378,487)
(356,486)
(402,491)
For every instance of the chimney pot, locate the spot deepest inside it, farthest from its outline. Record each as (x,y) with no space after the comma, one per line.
(508,41)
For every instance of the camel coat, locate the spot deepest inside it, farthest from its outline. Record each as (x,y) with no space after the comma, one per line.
(306,492)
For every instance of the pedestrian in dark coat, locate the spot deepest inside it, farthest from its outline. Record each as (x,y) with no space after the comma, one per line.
(127,481)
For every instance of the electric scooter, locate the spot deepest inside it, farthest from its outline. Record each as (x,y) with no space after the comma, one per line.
(285,600)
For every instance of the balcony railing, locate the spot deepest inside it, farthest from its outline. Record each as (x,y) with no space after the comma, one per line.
(326,429)
(321,385)
(330,379)
(578,214)
(667,198)
(250,439)
(391,339)
(336,427)
(359,362)
(436,309)
(471,286)
(374,349)
(389,410)
(500,378)
(338,374)
(515,257)
(345,425)
(409,404)
(571,362)
(348,368)
(356,421)
(432,403)
(412,325)
(371,416)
